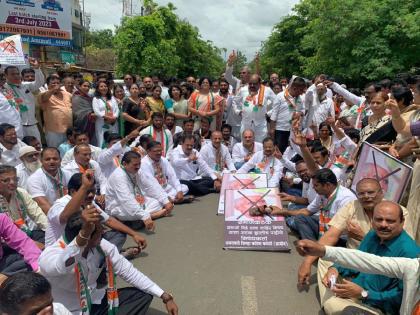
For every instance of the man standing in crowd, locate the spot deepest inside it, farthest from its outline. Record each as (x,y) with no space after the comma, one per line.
(56,106)
(252,105)
(19,94)
(286,104)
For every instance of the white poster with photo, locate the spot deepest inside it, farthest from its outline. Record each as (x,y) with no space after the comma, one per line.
(11,52)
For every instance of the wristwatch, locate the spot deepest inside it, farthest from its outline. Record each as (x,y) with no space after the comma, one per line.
(364,294)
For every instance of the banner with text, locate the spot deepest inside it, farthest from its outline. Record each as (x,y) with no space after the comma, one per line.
(246,232)
(38,19)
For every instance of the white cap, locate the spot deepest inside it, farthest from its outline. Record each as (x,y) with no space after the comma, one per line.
(26,149)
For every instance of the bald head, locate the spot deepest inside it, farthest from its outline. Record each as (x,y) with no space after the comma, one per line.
(248,137)
(80,147)
(388,220)
(369,181)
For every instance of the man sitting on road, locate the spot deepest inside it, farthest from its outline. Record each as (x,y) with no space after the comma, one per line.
(161,173)
(217,155)
(242,152)
(30,164)
(74,263)
(374,293)
(187,163)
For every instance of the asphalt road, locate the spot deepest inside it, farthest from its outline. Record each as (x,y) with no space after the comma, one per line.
(185,256)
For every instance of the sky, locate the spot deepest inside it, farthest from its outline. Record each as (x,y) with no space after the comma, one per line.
(231,24)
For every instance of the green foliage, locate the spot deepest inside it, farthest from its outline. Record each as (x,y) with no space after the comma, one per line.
(161,43)
(355,40)
(100,38)
(239,63)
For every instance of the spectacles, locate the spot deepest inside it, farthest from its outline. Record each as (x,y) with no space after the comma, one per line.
(8,180)
(367,193)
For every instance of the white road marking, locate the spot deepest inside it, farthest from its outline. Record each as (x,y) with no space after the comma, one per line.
(249,296)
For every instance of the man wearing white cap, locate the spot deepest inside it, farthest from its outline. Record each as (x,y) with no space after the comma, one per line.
(30,163)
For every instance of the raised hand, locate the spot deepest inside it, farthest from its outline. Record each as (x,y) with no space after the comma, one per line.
(33,62)
(231,58)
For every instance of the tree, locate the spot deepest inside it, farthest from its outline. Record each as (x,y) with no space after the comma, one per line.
(358,41)
(100,38)
(239,63)
(162,44)
(100,58)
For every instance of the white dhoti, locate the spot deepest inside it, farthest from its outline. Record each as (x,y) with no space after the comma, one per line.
(171,191)
(152,205)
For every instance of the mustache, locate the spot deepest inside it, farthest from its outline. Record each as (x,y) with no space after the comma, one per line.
(384,230)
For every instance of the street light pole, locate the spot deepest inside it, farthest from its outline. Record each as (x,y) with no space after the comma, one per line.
(84,31)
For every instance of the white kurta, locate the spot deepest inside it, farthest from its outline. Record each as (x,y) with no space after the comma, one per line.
(239,152)
(120,198)
(282,111)
(109,159)
(9,114)
(100,180)
(69,156)
(165,137)
(99,109)
(24,91)
(57,264)
(171,184)
(23,174)
(11,157)
(273,168)
(39,185)
(208,153)
(253,115)
(55,228)
(189,170)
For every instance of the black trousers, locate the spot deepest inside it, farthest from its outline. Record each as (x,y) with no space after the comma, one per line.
(12,262)
(131,301)
(354,310)
(199,187)
(281,138)
(38,236)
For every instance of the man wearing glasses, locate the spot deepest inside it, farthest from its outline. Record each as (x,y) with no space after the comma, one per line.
(355,220)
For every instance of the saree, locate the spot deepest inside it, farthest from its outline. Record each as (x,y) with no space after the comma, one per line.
(82,108)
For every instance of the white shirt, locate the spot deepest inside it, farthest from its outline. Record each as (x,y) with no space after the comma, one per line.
(9,114)
(60,309)
(63,280)
(100,180)
(239,152)
(320,110)
(23,174)
(344,195)
(99,108)
(147,171)
(120,197)
(186,169)
(11,157)
(407,269)
(231,144)
(166,136)
(69,156)
(55,229)
(273,168)
(24,90)
(308,191)
(231,118)
(39,185)
(108,159)
(252,119)
(232,80)
(282,112)
(208,153)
